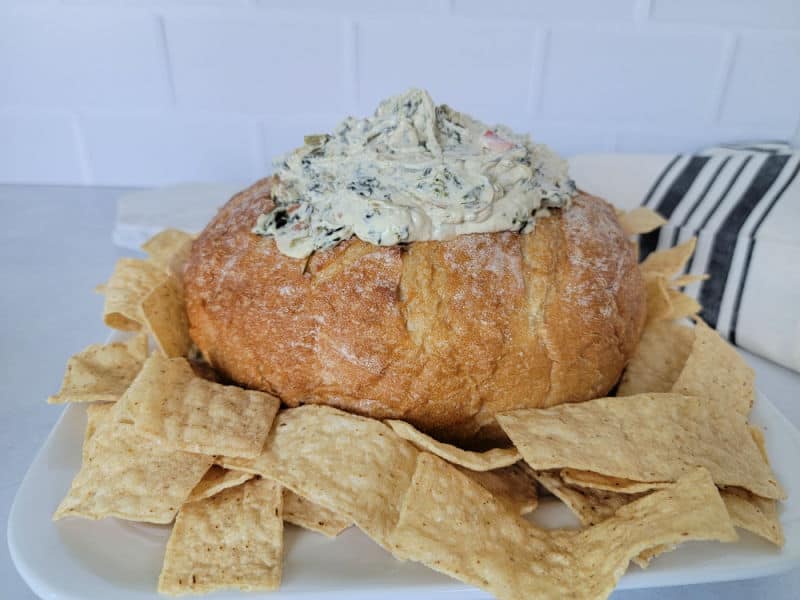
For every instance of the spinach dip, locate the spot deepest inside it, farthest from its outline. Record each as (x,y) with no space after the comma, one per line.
(412,172)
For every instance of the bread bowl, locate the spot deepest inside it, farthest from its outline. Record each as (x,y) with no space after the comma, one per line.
(442,333)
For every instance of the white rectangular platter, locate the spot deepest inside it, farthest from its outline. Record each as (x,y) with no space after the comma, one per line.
(87,560)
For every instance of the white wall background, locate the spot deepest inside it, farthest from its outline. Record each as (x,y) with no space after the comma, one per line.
(151,92)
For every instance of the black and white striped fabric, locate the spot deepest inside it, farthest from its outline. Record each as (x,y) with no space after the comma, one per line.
(743,204)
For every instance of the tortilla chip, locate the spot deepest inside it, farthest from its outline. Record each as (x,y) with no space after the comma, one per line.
(657,297)
(658,270)
(130,283)
(659,359)
(164,314)
(204,370)
(183,412)
(169,250)
(688,278)
(96,414)
(127,476)
(748,511)
(304,513)
(681,305)
(647,437)
(496,458)
(754,513)
(102,372)
(760,440)
(138,346)
(356,467)
(231,540)
(514,485)
(215,480)
(593,506)
(643,559)
(596,481)
(670,262)
(453,525)
(640,220)
(590,506)
(715,370)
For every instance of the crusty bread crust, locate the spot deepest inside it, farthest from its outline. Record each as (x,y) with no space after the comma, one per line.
(440,334)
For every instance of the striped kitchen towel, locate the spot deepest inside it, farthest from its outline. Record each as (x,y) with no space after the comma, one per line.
(743,204)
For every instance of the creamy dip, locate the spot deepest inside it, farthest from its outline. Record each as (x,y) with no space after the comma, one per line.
(412,172)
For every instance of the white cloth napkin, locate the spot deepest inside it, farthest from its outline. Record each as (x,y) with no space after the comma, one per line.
(742,202)
(188,206)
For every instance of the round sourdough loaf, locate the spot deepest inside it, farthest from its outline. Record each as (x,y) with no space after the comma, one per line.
(440,334)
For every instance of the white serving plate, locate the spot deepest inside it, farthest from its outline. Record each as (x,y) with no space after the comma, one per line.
(86,560)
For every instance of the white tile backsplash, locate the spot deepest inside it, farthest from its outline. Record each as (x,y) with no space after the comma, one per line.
(747,13)
(158,149)
(355,7)
(573,138)
(280,135)
(764,84)
(147,92)
(38,148)
(476,66)
(632,75)
(82,58)
(655,141)
(549,10)
(261,63)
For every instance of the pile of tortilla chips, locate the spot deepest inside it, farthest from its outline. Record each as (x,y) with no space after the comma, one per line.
(671,458)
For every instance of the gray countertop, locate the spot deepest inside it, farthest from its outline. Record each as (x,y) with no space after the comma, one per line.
(55,247)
